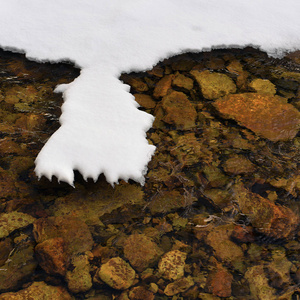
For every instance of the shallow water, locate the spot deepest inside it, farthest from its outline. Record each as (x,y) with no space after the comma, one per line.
(218,216)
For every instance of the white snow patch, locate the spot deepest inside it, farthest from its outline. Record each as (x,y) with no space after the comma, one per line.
(102,131)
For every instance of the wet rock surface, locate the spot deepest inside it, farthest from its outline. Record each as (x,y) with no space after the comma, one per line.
(218,217)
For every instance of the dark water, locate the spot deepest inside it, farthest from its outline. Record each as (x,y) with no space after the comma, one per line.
(218,216)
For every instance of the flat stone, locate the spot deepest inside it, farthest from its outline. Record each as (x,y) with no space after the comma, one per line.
(214,85)
(179,286)
(267,116)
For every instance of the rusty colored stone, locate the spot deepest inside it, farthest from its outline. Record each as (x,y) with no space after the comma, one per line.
(163,86)
(267,116)
(51,256)
(219,282)
(268,218)
(145,101)
(75,233)
(183,82)
(179,110)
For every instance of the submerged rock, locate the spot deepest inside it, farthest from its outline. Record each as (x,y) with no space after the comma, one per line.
(179,286)
(52,256)
(141,251)
(79,278)
(171,265)
(267,116)
(214,85)
(19,266)
(219,282)
(12,221)
(178,110)
(39,290)
(266,217)
(74,232)
(117,274)
(263,86)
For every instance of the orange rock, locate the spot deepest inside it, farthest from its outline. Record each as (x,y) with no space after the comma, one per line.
(266,217)
(163,86)
(219,282)
(267,116)
(51,256)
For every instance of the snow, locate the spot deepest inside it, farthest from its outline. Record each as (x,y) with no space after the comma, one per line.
(102,131)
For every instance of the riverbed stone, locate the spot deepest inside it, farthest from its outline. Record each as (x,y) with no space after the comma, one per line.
(19,267)
(265,216)
(141,293)
(214,85)
(179,286)
(145,101)
(171,265)
(258,283)
(117,273)
(225,249)
(52,256)
(12,221)
(141,251)
(237,164)
(219,282)
(179,111)
(263,86)
(38,290)
(267,116)
(79,279)
(183,81)
(74,232)
(162,87)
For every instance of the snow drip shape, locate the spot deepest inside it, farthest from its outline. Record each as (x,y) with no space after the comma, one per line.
(102,131)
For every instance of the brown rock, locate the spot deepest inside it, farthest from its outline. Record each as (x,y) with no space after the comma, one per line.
(145,101)
(117,274)
(51,256)
(183,82)
(219,282)
(263,86)
(267,116)
(214,85)
(38,290)
(179,110)
(163,86)
(171,265)
(238,164)
(141,251)
(140,293)
(5,248)
(270,219)
(179,286)
(226,250)
(136,83)
(75,233)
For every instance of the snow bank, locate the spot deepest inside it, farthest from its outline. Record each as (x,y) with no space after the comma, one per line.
(102,131)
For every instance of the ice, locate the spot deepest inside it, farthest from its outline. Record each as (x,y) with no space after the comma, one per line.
(102,131)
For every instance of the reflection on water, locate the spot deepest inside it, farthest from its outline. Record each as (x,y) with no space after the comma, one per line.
(218,216)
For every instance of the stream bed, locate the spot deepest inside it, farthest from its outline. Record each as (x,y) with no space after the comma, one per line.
(218,216)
